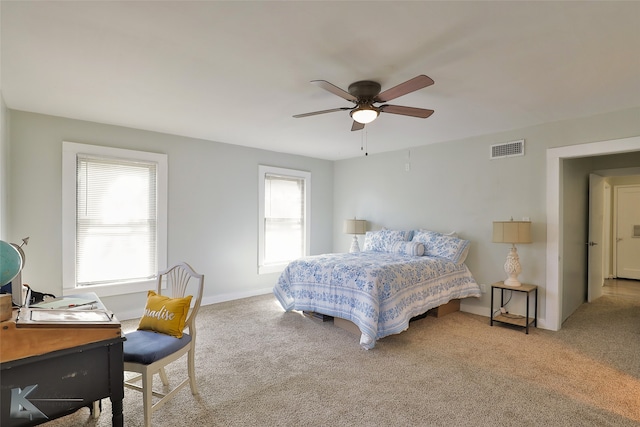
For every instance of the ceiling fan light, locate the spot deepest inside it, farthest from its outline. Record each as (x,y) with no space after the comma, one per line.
(364,115)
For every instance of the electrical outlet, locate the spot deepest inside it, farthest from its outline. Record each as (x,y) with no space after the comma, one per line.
(483,288)
(503,310)
(407,167)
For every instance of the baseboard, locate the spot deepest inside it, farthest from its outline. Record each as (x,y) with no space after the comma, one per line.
(480,311)
(235,296)
(483,311)
(474,309)
(135,314)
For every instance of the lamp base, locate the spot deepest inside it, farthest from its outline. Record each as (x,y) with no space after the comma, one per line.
(514,283)
(355,247)
(512,268)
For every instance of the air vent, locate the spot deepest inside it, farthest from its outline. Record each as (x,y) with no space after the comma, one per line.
(508,149)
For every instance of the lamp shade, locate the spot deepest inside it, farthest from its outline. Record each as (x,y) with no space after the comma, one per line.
(355,226)
(512,232)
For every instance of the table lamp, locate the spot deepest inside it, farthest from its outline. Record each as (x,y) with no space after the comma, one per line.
(512,232)
(355,227)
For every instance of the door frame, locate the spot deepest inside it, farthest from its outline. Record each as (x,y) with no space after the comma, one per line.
(608,215)
(615,224)
(553,288)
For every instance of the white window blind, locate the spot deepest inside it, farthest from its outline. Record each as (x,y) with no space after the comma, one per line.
(116,220)
(284,218)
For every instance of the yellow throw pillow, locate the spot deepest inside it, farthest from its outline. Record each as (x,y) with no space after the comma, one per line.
(165,315)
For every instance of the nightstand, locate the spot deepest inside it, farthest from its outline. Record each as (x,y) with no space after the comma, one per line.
(522,322)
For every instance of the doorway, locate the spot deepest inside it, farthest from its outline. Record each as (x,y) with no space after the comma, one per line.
(554,284)
(614,210)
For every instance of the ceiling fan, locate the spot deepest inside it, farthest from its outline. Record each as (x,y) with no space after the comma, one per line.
(364,94)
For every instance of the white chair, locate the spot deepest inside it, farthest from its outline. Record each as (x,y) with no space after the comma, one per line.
(147,352)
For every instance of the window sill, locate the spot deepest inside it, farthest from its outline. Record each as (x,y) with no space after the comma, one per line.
(115,289)
(271,268)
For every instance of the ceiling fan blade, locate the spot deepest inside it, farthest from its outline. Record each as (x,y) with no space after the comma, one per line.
(334,90)
(409,86)
(406,111)
(297,116)
(357,126)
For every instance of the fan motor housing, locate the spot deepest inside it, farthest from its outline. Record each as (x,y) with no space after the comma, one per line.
(366,89)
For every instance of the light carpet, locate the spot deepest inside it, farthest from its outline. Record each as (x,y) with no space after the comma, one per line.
(260,366)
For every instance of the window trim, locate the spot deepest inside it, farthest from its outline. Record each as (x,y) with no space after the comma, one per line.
(262,171)
(70,150)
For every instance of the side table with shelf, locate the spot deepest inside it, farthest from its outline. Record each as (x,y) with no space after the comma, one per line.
(523,322)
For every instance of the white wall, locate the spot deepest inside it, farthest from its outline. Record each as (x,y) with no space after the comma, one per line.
(4,157)
(213,197)
(455,186)
(4,169)
(213,203)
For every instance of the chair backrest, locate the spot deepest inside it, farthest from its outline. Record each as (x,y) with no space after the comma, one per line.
(182,280)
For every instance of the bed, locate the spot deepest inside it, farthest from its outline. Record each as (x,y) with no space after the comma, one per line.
(380,289)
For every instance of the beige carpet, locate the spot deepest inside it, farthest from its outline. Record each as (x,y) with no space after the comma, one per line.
(259,366)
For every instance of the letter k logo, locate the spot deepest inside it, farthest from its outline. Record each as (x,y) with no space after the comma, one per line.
(23,408)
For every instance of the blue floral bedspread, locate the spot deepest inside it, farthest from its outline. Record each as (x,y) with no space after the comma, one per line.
(378,291)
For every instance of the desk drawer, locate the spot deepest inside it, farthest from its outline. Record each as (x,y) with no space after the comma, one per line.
(40,388)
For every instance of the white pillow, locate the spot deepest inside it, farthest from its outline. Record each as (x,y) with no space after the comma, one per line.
(443,246)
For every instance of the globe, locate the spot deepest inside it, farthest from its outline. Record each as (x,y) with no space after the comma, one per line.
(10,262)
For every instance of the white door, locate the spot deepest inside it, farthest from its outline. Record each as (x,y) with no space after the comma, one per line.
(595,275)
(628,232)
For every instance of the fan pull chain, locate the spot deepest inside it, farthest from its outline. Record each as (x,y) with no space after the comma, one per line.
(363,143)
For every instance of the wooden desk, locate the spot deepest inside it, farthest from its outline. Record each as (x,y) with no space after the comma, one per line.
(50,371)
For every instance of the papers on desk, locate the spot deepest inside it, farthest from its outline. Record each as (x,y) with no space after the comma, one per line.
(66,302)
(30,317)
(72,311)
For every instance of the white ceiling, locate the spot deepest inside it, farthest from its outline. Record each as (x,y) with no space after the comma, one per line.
(235,72)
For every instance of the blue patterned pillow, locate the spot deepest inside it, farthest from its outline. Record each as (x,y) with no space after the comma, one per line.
(381,241)
(412,233)
(443,246)
(407,248)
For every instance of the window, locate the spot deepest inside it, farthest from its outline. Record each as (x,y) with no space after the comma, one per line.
(114,219)
(284,217)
